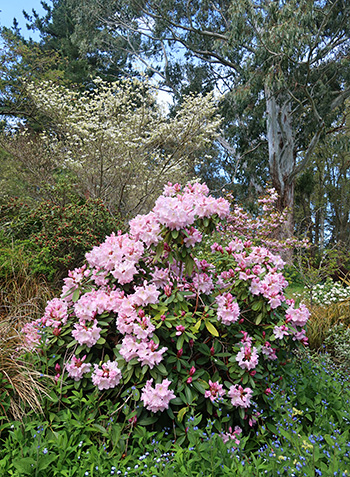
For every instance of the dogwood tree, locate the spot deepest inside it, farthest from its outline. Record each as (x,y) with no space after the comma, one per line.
(117,142)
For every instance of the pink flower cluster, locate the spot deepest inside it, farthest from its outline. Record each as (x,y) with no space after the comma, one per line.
(215,391)
(240,397)
(32,333)
(297,316)
(247,357)
(118,255)
(137,326)
(231,435)
(77,368)
(177,209)
(263,227)
(228,309)
(72,282)
(146,352)
(106,377)
(86,333)
(56,314)
(157,398)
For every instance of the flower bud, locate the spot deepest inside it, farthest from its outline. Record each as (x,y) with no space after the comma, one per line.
(189,380)
(192,371)
(180,353)
(167,290)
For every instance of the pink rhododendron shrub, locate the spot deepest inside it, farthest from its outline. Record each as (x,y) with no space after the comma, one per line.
(164,333)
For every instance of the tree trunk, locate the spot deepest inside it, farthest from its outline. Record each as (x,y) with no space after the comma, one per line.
(281,156)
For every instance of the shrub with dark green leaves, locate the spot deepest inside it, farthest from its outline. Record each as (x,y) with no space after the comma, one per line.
(57,237)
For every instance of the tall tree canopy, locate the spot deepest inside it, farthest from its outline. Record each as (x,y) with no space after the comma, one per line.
(71,50)
(284,67)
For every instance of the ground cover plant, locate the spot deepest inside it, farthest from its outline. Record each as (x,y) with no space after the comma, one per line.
(304,432)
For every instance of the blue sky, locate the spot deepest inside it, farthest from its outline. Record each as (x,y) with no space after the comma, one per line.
(10,9)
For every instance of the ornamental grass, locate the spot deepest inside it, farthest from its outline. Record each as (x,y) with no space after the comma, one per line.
(20,385)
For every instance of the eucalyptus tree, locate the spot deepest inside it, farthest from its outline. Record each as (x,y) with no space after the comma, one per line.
(282,65)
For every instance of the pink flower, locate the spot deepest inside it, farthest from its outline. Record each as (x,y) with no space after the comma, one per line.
(268,351)
(32,333)
(87,333)
(194,236)
(228,436)
(280,331)
(148,355)
(203,283)
(180,329)
(145,228)
(240,397)
(247,358)
(106,377)
(228,309)
(55,313)
(215,391)
(158,398)
(145,295)
(76,368)
(298,316)
(129,348)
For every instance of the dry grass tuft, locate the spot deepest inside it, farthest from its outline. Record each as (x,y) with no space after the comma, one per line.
(23,298)
(20,385)
(22,295)
(322,318)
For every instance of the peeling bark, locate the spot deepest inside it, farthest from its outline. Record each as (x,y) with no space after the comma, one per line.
(281,154)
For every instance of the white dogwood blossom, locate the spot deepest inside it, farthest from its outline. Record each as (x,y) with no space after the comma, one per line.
(118,143)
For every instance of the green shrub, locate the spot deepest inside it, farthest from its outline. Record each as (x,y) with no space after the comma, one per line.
(55,237)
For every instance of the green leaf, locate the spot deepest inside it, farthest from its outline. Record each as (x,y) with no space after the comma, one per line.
(76,295)
(211,328)
(174,234)
(177,401)
(259,318)
(181,413)
(198,386)
(24,465)
(162,369)
(170,413)
(188,394)
(46,461)
(146,421)
(272,428)
(101,341)
(180,342)
(189,264)
(256,306)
